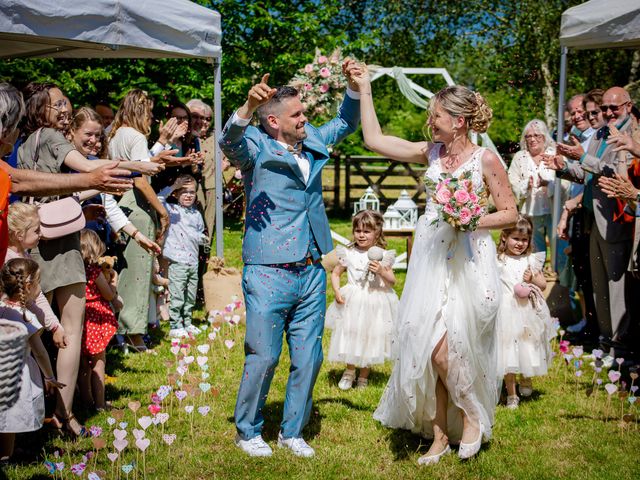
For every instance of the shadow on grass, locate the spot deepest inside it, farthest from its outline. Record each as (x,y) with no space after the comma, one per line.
(375,378)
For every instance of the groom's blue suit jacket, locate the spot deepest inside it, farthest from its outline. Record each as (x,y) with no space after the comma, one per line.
(282,211)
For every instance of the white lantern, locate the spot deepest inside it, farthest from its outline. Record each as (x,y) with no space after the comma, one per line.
(407,209)
(368,201)
(392,219)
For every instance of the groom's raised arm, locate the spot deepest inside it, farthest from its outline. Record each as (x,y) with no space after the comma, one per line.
(241,149)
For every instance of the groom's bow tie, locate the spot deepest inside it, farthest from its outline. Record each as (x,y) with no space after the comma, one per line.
(296,149)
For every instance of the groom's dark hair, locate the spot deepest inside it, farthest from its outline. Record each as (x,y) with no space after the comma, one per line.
(271,107)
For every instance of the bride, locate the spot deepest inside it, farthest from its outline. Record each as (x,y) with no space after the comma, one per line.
(444,383)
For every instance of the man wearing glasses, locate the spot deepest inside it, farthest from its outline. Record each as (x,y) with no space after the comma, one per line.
(610,241)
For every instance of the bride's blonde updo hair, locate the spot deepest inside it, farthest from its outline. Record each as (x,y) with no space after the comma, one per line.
(459,101)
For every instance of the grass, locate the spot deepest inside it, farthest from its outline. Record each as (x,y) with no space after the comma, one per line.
(558,433)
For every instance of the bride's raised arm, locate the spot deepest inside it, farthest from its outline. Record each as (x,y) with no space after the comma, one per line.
(386,145)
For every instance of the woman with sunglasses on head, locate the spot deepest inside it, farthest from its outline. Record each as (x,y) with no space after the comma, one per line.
(62,268)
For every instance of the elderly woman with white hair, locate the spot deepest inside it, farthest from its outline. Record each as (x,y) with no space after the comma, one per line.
(532,182)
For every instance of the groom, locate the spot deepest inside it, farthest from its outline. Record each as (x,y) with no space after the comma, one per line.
(286,232)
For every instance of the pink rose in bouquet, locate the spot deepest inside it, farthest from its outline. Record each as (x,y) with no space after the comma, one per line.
(324,88)
(322,59)
(443,195)
(308,68)
(461,196)
(465,215)
(456,201)
(325,72)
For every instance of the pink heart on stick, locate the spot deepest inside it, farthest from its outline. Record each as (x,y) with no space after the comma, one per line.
(611,388)
(119,434)
(181,395)
(143,443)
(614,376)
(145,422)
(169,438)
(120,444)
(112,456)
(229,344)
(138,433)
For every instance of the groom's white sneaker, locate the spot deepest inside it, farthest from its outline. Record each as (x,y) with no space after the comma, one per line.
(297,445)
(254,447)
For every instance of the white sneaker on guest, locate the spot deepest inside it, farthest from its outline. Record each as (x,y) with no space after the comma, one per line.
(193,329)
(254,447)
(297,445)
(178,333)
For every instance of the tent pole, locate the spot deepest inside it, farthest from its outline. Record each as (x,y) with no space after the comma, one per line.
(217,127)
(560,136)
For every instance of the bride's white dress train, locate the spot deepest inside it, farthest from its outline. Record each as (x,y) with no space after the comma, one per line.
(452,287)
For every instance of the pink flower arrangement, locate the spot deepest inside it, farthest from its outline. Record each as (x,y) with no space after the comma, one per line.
(456,201)
(321,84)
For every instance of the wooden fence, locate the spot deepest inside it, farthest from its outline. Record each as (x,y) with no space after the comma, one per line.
(353,174)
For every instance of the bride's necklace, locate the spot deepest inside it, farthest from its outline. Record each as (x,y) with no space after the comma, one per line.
(455,159)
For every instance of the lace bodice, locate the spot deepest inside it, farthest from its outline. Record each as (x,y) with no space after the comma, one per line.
(473,164)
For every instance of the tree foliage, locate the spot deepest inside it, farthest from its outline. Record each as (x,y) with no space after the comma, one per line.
(509,51)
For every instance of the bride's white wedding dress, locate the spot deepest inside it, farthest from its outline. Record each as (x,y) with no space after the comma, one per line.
(452,287)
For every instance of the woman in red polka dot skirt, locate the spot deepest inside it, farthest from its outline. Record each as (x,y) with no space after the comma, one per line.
(100,323)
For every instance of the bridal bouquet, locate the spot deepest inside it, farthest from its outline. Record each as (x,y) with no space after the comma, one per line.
(457,202)
(321,84)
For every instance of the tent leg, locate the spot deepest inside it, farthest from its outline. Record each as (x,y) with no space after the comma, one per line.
(217,119)
(557,190)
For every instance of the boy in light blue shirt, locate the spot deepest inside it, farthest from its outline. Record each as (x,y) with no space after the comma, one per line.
(184,237)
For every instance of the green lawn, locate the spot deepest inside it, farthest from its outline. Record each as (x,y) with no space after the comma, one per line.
(559,433)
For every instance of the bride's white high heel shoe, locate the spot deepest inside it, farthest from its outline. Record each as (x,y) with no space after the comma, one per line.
(468,450)
(433,459)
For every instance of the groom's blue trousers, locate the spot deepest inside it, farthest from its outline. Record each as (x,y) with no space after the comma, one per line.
(281,300)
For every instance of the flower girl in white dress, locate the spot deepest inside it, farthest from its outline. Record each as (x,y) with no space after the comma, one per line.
(363,312)
(524,322)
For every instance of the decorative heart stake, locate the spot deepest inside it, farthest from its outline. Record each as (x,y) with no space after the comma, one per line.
(611,388)
(634,388)
(120,444)
(127,468)
(215,392)
(175,349)
(78,468)
(614,376)
(138,433)
(95,431)
(169,438)
(94,476)
(203,349)
(113,456)
(188,408)
(111,421)
(632,400)
(620,361)
(123,425)
(162,417)
(204,387)
(143,443)
(633,375)
(577,351)
(212,336)
(597,353)
(145,422)
(117,414)
(188,360)
(98,443)
(205,375)
(203,410)
(202,360)
(181,395)
(119,434)
(229,344)
(181,370)
(134,406)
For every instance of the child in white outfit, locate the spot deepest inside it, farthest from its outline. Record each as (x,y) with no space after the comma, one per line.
(365,308)
(524,323)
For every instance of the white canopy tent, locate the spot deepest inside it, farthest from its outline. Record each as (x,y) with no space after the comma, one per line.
(118,29)
(593,24)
